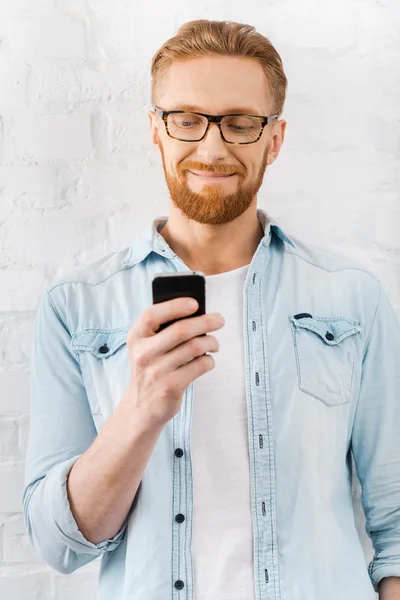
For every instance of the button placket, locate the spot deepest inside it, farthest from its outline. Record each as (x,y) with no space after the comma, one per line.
(182,500)
(261,448)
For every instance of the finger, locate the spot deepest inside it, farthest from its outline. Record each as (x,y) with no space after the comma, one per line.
(182,377)
(182,331)
(156,314)
(182,354)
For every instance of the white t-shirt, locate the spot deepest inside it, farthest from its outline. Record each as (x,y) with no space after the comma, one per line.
(222,543)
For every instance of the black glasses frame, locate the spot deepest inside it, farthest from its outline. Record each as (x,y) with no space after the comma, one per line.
(213,119)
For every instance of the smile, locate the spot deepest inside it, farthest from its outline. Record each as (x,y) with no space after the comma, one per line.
(208,175)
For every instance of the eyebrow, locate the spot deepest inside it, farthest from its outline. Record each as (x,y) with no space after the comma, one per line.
(230,111)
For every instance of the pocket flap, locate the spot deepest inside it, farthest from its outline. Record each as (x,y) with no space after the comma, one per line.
(332,330)
(101,342)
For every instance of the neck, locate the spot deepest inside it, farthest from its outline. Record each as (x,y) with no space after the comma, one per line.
(214,249)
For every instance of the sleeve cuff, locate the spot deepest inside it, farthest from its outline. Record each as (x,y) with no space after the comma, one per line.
(57,511)
(377,572)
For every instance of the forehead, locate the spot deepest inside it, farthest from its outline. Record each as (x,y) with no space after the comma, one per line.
(216,84)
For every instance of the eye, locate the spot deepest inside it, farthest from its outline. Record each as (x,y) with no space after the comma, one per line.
(240,124)
(186,121)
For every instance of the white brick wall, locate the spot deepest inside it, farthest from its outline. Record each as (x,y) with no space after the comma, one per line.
(79,177)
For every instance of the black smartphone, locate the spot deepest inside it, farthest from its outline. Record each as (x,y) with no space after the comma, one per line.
(167,286)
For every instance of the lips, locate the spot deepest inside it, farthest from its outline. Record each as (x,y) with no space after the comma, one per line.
(210,174)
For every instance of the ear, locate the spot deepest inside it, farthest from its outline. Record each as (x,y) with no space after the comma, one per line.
(153,127)
(278,136)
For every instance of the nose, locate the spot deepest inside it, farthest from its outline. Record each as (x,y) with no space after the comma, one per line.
(212,147)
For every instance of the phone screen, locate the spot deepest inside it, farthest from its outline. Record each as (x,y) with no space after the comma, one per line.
(167,286)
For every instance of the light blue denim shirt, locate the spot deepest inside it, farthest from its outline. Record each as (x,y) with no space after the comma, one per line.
(322,367)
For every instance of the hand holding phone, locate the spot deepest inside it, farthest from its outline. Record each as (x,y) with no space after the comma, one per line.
(164,362)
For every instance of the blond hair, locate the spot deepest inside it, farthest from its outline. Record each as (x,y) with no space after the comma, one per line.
(225,38)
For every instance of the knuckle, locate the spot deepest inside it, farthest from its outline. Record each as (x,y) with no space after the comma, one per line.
(180,332)
(147,320)
(196,345)
(166,387)
(153,375)
(141,358)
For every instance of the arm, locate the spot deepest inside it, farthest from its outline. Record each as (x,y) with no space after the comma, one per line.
(376,440)
(61,434)
(389,588)
(103,482)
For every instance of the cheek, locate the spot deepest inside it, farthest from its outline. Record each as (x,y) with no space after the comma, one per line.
(178,155)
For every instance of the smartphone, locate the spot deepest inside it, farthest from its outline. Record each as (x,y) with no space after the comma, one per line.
(167,286)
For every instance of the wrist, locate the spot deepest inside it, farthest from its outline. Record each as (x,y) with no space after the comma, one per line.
(139,415)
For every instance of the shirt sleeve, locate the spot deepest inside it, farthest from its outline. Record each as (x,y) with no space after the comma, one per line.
(376,440)
(61,430)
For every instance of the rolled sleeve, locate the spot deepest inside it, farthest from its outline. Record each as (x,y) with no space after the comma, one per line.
(376,440)
(61,430)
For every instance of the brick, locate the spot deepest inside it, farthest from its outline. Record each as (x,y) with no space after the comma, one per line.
(1,141)
(4,36)
(9,443)
(18,586)
(75,8)
(12,487)
(113,191)
(110,40)
(1,539)
(13,88)
(24,8)
(16,333)
(377,30)
(14,386)
(109,82)
(56,37)
(53,84)
(55,238)
(127,130)
(17,547)
(133,41)
(22,188)
(81,585)
(22,288)
(23,435)
(332,28)
(51,137)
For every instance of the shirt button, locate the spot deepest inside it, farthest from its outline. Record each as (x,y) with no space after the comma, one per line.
(179,584)
(104,349)
(179,452)
(180,518)
(329,336)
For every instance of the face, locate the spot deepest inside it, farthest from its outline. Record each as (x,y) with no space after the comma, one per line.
(212,181)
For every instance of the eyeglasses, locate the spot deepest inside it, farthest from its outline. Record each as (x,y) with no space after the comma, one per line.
(193,126)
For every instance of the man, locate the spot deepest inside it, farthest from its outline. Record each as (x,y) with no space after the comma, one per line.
(222,478)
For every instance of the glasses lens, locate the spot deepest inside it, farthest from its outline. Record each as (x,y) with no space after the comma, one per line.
(241,129)
(186,126)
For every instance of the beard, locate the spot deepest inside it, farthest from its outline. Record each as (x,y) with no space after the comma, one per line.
(213,205)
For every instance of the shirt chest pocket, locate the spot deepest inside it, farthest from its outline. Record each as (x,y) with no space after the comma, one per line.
(104,362)
(325,351)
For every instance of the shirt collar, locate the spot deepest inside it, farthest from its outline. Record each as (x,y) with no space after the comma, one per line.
(152,241)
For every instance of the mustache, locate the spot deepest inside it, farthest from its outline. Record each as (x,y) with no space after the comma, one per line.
(215,168)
